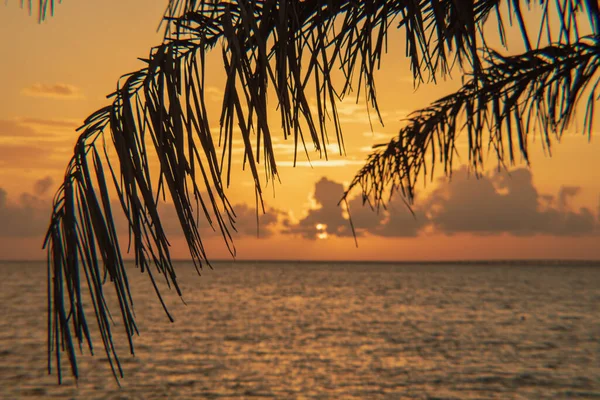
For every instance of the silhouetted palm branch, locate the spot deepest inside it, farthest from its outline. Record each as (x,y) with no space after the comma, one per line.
(504,103)
(161,109)
(293,49)
(505,100)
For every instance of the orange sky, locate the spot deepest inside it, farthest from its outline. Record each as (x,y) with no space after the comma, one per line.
(55,74)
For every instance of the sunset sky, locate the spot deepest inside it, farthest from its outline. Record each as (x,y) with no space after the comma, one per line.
(54,74)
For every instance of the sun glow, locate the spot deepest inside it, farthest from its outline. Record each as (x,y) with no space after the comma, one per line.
(321,231)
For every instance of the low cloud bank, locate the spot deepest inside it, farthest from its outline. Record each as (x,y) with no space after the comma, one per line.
(503,203)
(29,215)
(499,203)
(494,204)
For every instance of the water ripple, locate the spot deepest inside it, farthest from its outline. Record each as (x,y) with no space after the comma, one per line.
(331,331)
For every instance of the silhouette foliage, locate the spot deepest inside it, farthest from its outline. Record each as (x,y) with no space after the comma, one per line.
(294,48)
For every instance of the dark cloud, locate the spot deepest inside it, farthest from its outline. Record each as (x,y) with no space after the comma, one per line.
(502,203)
(54,90)
(364,217)
(327,218)
(400,222)
(28,217)
(395,220)
(245,221)
(493,204)
(41,186)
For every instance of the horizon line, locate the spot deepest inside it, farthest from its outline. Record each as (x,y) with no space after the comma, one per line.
(402,262)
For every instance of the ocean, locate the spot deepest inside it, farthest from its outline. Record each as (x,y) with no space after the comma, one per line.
(285,330)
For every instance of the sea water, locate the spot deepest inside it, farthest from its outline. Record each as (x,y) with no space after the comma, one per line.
(328,330)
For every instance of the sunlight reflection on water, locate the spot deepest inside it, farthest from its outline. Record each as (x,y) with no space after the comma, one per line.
(330,331)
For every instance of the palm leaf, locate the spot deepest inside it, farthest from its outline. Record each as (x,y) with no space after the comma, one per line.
(293,50)
(499,108)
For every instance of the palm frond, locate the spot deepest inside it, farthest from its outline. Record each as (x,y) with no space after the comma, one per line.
(160,111)
(506,101)
(44,7)
(292,49)
(82,234)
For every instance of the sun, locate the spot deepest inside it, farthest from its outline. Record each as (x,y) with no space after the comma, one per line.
(322,235)
(321,231)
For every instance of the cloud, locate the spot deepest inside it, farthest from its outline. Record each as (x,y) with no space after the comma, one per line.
(320,163)
(34,143)
(364,218)
(288,148)
(352,112)
(12,129)
(55,90)
(395,220)
(502,203)
(494,204)
(326,218)
(62,124)
(27,217)
(380,136)
(400,222)
(41,186)
(22,155)
(214,93)
(245,221)
(24,129)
